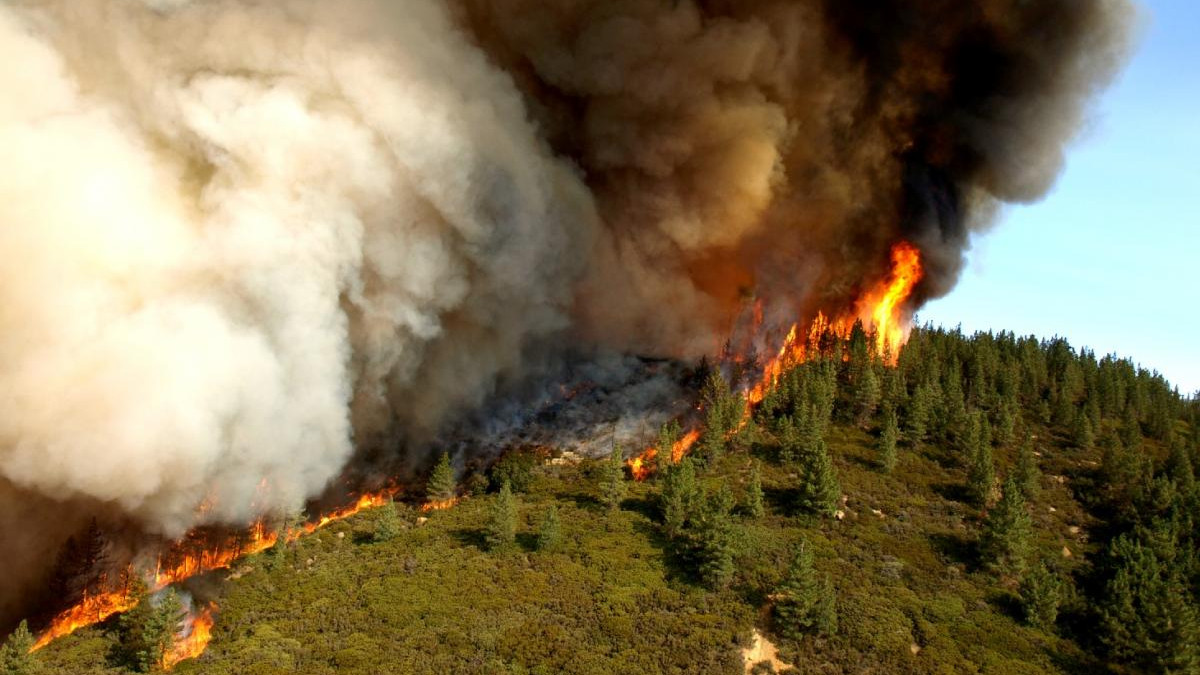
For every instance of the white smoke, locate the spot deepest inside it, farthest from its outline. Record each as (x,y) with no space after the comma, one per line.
(241,235)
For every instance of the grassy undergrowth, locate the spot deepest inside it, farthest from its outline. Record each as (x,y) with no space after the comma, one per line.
(611,599)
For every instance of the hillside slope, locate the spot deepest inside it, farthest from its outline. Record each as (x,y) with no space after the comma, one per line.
(937,566)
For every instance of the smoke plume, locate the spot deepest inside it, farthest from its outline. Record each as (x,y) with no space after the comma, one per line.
(244,239)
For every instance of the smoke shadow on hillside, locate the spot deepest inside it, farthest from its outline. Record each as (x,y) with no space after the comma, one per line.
(956,548)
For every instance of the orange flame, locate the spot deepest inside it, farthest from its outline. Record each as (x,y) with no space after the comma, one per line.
(194,642)
(881,309)
(642,466)
(884,306)
(92,609)
(440,504)
(97,607)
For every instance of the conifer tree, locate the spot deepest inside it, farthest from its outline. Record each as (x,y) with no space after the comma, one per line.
(1082,434)
(550,532)
(16,657)
(679,496)
(791,438)
(754,493)
(1041,594)
(501,527)
(1148,616)
(981,474)
(1179,467)
(146,633)
(1026,472)
(387,522)
(954,418)
(668,435)
(804,602)
(712,539)
(1006,423)
(1004,542)
(917,419)
(723,412)
(612,479)
(866,394)
(819,487)
(887,442)
(441,484)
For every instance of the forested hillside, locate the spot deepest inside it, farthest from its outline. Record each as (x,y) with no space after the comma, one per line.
(988,504)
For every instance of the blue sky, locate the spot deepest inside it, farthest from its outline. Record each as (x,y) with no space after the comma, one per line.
(1111,258)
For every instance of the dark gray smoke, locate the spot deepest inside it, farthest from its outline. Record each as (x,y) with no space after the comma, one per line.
(785,146)
(245,240)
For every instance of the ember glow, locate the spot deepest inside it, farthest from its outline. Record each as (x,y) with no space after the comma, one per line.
(184,561)
(194,641)
(883,310)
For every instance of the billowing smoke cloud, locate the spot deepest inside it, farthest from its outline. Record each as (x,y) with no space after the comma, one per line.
(783,146)
(244,238)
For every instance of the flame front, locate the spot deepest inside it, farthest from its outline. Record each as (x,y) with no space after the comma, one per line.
(440,504)
(194,642)
(92,609)
(186,564)
(882,310)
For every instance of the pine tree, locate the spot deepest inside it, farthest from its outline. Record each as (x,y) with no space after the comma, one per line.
(550,532)
(917,419)
(1179,467)
(146,633)
(441,484)
(712,540)
(1026,472)
(1083,435)
(887,442)
(668,436)
(1148,616)
(804,602)
(723,413)
(1004,542)
(1041,594)
(754,506)
(954,418)
(501,527)
(16,657)
(819,487)
(791,439)
(1006,424)
(679,496)
(387,522)
(612,479)
(981,475)
(866,394)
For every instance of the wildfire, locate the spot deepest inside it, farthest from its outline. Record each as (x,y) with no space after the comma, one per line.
(641,466)
(92,609)
(882,309)
(440,504)
(194,642)
(886,305)
(185,564)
